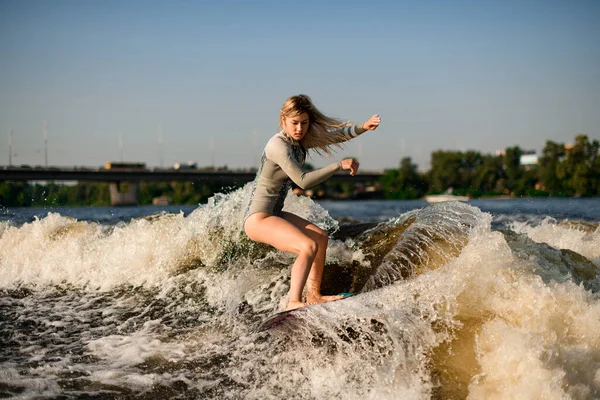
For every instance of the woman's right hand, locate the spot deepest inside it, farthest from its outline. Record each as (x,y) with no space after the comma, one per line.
(350,164)
(372,123)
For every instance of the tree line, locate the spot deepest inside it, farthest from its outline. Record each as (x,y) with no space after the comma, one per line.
(25,194)
(561,170)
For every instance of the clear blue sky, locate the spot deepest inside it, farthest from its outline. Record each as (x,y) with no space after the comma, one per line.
(475,74)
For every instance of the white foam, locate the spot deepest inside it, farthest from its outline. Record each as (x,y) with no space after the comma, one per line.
(58,250)
(537,340)
(525,336)
(29,387)
(533,339)
(121,351)
(563,237)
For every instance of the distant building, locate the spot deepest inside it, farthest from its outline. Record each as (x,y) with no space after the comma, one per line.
(123,165)
(185,165)
(528,157)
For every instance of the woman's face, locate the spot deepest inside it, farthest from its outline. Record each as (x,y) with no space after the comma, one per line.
(296,126)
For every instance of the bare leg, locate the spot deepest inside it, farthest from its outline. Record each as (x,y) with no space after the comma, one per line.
(313,285)
(285,236)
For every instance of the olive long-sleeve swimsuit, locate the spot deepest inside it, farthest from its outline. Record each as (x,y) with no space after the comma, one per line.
(282,162)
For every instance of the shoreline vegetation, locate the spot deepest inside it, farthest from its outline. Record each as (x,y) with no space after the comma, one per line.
(561,171)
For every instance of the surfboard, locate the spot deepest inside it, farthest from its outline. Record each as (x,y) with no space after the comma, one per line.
(284,317)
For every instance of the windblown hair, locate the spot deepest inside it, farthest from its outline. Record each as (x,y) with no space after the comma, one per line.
(323,131)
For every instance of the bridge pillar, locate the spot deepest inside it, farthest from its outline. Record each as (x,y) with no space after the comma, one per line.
(123,198)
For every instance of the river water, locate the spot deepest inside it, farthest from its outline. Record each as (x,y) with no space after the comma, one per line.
(489,299)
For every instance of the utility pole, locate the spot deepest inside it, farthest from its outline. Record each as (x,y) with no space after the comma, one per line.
(10,135)
(212,151)
(121,147)
(161,150)
(45,131)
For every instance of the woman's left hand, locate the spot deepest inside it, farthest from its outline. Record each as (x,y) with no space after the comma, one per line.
(351,164)
(372,123)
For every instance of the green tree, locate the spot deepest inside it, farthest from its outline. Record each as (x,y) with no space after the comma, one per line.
(12,193)
(596,177)
(528,182)
(512,168)
(577,169)
(489,176)
(405,182)
(456,170)
(445,170)
(471,162)
(552,155)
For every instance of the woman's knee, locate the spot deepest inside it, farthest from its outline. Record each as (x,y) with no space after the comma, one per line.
(321,237)
(308,246)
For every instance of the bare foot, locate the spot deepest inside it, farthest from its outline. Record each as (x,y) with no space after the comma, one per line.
(292,305)
(315,299)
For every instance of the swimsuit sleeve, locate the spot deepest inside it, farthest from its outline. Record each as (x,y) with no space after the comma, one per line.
(281,154)
(350,132)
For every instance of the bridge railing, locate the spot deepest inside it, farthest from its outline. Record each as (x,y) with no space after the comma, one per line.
(136,174)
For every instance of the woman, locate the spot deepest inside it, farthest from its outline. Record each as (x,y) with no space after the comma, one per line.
(303,127)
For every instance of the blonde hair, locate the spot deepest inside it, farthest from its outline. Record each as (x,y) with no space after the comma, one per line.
(323,131)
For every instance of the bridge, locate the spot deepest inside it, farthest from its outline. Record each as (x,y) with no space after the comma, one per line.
(116,176)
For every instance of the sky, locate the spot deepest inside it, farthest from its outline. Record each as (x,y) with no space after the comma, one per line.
(162,82)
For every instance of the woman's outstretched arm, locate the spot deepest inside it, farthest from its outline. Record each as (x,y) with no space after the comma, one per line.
(351,131)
